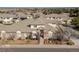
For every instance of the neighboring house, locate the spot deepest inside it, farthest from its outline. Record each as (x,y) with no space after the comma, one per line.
(59,17)
(36,26)
(29,16)
(7,21)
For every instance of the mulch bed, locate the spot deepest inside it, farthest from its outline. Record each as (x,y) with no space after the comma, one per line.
(59,42)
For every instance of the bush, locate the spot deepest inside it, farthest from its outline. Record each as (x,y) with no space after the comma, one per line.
(70,43)
(75,22)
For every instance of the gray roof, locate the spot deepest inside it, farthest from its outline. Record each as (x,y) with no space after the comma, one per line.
(22,25)
(36,21)
(58,15)
(14,27)
(50,28)
(65,16)
(7,15)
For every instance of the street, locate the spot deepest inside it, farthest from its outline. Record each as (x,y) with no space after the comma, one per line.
(39,50)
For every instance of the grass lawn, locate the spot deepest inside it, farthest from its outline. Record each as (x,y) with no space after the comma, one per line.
(20,42)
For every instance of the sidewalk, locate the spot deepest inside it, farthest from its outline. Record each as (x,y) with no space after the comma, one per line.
(39,46)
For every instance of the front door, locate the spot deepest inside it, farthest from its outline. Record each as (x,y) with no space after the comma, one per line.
(42,33)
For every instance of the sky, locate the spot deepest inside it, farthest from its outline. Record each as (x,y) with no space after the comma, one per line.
(39,3)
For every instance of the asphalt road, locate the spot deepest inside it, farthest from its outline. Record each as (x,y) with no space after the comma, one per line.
(38,50)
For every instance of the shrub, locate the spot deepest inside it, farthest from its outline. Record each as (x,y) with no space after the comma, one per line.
(75,22)
(70,43)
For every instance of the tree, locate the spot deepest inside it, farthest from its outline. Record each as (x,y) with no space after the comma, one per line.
(57,11)
(45,12)
(74,12)
(75,22)
(36,16)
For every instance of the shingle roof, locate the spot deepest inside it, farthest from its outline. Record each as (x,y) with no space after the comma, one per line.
(7,15)
(22,25)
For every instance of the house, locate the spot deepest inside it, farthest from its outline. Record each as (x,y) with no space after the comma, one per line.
(7,21)
(58,17)
(42,28)
(36,24)
(29,16)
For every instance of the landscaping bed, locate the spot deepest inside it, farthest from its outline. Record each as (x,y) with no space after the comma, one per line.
(59,42)
(28,41)
(20,42)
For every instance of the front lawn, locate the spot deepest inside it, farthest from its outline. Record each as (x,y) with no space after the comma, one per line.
(20,42)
